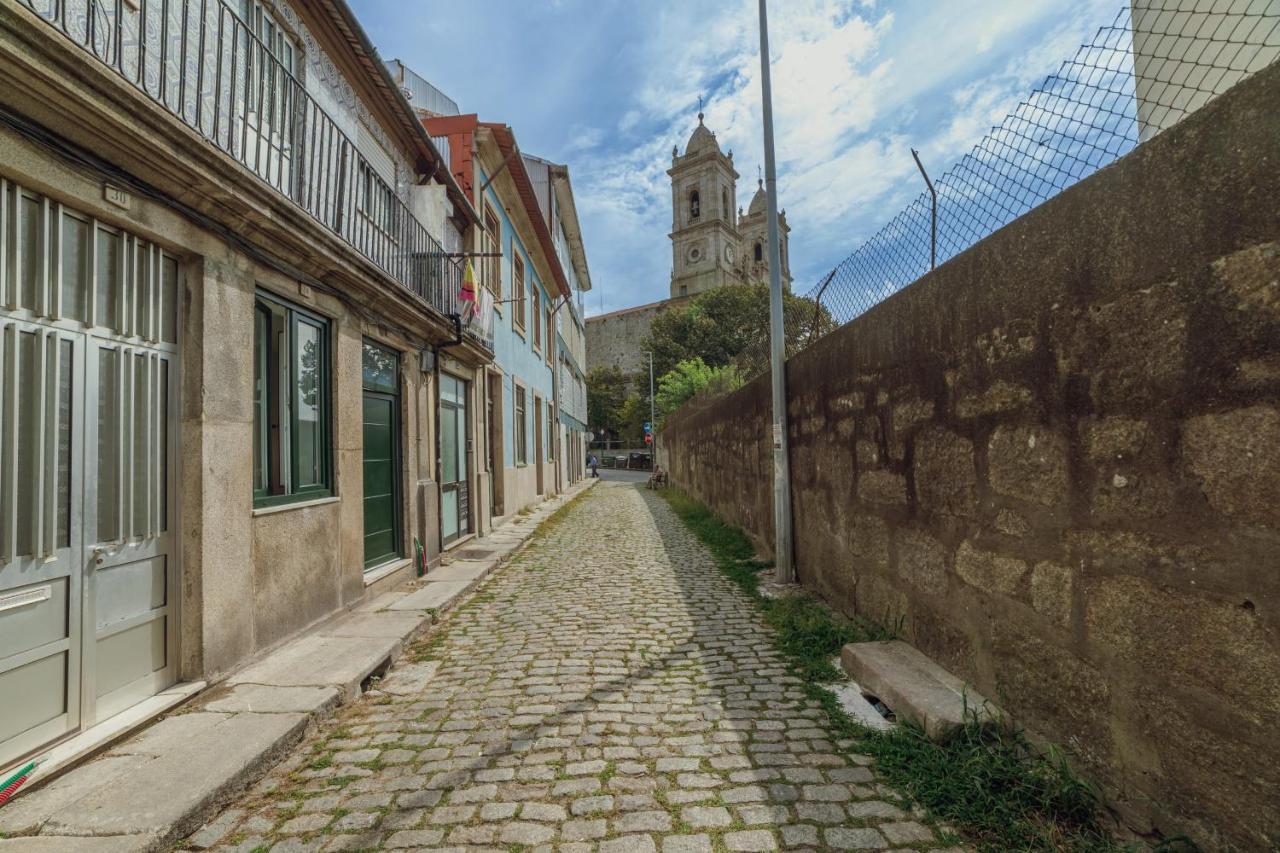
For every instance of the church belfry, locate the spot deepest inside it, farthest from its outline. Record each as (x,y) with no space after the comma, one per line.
(704,227)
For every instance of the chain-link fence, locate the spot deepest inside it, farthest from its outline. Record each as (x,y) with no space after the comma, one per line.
(1158,61)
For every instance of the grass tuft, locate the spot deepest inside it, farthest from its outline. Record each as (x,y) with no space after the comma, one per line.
(807,632)
(986,781)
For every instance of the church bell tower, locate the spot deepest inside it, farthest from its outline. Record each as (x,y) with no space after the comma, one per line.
(704,229)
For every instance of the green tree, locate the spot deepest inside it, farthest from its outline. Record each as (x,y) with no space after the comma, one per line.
(728,324)
(606,392)
(631,417)
(690,378)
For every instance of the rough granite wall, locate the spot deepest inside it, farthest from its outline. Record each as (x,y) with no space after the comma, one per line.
(617,339)
(1057,458)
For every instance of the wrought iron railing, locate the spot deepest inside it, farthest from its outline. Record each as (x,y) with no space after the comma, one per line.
(232,82)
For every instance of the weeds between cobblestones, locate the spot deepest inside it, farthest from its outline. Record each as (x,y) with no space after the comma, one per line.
(986,781)
(606,691)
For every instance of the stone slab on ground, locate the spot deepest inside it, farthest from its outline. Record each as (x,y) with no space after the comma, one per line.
(461,570)
(68,844)
(28,813)
(169,734)
(432,596)
(914,687)
(168,796)
(319,661)
(382,602)
(410,678)
(269,699)
(402,626)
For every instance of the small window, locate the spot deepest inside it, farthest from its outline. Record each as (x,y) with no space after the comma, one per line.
(521,429)
(684,290)
(377,201)
(518,292)
(551,432)
(759,251)
(263,24)
(292,450)
(537,318)
(550,340)
(695,205)
(492,266)
(724,202)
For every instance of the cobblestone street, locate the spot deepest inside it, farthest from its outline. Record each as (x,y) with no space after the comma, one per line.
(607,690)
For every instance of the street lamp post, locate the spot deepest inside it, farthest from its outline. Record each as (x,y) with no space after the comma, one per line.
(653,421)
(777,337)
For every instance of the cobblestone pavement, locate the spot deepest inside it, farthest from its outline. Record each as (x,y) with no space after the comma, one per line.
(608,690)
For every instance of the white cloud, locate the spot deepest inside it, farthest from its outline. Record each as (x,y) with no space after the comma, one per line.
(856,84)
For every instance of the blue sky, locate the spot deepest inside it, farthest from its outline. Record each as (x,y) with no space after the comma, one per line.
(609,87)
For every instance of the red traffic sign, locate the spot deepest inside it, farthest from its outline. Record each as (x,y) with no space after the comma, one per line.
(648,438)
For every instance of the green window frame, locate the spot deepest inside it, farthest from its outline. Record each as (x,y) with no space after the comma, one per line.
(293,404)
(521,428)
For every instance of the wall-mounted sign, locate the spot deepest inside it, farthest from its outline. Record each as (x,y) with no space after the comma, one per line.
(116,196)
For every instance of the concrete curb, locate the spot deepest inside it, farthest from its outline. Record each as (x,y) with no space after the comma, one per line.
(162,784)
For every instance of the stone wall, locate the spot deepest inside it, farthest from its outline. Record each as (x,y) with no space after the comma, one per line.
(617,339)
(1057,459)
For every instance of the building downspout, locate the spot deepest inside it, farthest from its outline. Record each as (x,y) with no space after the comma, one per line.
(555,391)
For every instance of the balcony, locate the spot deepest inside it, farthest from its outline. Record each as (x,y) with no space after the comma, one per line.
(204,64)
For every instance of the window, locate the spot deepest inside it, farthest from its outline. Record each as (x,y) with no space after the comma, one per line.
(491,269)
(695,205)
(269,93)
(551,432)
(376,200)
(759,251)
(264,25)
(684,290)
(521,430)
(292,450)
(517,288)
(724,202)
(550,336)
(537,317)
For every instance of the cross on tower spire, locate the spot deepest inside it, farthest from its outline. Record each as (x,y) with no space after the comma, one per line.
(699,109)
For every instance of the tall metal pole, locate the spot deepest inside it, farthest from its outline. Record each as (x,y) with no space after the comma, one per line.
(653,420)
(785,568)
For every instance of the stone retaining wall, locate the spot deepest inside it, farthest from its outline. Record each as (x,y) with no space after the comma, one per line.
(1057,460)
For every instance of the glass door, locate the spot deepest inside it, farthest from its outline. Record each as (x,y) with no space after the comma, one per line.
(382,503)
(455,509)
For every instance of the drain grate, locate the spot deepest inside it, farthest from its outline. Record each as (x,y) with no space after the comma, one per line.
(474,554)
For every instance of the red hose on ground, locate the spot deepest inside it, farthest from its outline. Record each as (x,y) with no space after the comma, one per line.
(12,789)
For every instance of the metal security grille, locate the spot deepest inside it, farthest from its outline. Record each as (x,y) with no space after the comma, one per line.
(62,272)
(234,82)
(88,342)
(1158,61)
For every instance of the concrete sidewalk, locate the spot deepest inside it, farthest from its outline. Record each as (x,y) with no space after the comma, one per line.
(163,783)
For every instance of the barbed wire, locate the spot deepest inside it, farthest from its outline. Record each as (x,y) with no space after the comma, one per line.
(1158,61)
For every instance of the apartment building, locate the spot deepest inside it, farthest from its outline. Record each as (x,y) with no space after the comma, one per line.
(238,392)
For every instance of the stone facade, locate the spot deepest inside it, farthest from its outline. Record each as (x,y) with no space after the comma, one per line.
(1057,459)
(617,339)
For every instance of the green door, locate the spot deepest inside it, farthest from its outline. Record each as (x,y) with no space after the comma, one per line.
(381,456)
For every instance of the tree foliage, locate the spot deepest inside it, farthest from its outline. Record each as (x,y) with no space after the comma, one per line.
(606,395)
(688,379)
(728,324)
